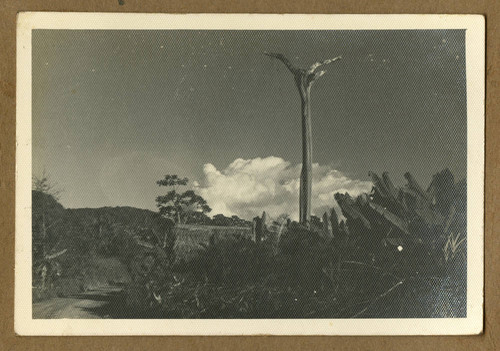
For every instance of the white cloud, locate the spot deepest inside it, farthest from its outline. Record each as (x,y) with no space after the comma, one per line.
(248,187)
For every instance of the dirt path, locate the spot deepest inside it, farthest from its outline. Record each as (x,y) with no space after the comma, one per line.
(89,305)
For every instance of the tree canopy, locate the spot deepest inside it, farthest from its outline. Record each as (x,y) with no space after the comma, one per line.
(180,206)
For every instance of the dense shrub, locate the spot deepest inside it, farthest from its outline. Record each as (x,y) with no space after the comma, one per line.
(308,276)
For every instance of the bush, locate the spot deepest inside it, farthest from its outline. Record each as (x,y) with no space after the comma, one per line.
(234,277)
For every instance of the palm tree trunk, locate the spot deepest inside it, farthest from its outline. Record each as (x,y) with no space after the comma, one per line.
(304,78)
(306,174)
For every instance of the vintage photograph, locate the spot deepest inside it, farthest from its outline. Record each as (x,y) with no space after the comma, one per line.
(199,168)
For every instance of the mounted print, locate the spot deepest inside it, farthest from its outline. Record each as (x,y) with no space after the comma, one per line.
(244,174)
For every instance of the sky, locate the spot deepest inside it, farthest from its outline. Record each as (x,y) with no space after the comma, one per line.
(114,111)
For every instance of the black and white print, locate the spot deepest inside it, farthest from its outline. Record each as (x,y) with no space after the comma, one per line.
(207,173)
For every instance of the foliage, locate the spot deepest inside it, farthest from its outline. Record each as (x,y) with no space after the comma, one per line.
(89,235)
(453,246)
(315,223)
(198,218)
(233,221)
(180,206)
(44,185)
(370,265)
(238,278)
(46,220)
(172,181)
(208,271)
(46,237)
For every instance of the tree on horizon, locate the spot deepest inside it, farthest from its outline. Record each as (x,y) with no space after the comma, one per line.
(179,206)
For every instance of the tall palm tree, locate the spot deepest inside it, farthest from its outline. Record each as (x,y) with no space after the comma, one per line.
(304,79)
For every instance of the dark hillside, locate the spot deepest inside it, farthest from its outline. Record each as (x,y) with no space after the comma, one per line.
(75,249)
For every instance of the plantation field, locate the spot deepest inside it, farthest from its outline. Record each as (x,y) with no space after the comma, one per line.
(193,238)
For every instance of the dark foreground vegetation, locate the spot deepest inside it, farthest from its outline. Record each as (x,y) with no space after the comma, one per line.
(397,252)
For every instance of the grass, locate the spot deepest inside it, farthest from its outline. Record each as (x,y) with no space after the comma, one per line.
(454,244)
